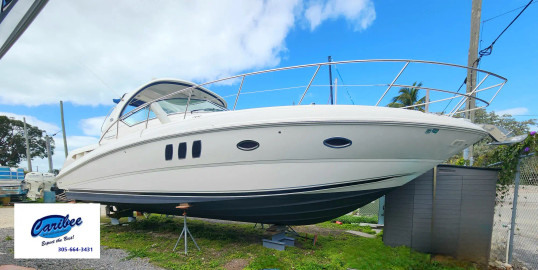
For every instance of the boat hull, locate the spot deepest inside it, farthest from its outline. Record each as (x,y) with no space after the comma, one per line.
(288,209)
(292,178)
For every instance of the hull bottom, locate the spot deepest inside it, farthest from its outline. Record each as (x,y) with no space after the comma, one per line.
(290,209)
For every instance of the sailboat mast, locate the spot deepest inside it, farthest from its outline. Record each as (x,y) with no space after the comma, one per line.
(331,81)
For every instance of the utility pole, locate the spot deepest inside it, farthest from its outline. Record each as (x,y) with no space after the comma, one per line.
(47,139)
(331,80)
(472,61)
(28,156)
(63,127)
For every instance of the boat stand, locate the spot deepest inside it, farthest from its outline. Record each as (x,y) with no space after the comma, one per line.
(279,240)
(185,231)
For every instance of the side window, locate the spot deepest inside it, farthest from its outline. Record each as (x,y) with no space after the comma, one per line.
(169,152)
(196,149)
(137,117)
(182,150)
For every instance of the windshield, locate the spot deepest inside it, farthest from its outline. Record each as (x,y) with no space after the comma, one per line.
(178,105)
(170,106)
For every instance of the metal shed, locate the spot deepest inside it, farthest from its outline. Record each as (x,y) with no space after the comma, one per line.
(448,210)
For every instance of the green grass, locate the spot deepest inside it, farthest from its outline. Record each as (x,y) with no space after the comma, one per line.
(348,219)
(155,237)
(8,238)
(353,227)
(351,223)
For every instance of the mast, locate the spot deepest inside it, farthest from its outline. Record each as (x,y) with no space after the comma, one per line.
(331,81)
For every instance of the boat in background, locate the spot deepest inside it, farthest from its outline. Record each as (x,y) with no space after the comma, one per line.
(11,183)
(37,183)
(173,142)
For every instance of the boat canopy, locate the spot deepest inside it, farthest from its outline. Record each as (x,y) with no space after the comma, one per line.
(159,88)
(171,97)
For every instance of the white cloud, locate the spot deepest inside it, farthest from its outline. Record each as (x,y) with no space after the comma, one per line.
(92,126)
(360,13)
(513,111)
(50,128)
(88,52)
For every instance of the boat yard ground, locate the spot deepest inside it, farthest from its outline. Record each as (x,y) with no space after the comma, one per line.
(148,243)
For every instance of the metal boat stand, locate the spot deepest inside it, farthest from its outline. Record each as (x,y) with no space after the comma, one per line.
(256,225)
(185,230)
(279,240)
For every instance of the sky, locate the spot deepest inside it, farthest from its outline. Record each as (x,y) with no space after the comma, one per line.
(88,52)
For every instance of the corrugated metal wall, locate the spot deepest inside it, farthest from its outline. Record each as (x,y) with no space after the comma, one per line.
(450,214)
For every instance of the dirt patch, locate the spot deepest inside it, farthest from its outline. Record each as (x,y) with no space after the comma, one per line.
(236,264)
(313,229)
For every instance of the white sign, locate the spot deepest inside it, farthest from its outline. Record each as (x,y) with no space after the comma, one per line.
(57,230)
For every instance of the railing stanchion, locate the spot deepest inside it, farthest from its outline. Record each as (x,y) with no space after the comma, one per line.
(187,107)
(239,92)
(392,83)
(310,83)
(147,118)
(470,95)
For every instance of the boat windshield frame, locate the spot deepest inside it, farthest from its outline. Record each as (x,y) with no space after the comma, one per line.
(179,110)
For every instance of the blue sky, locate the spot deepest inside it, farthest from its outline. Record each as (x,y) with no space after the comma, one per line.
(87,53)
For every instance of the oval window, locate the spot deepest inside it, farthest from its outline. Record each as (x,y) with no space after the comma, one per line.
(337,142)
(248,145)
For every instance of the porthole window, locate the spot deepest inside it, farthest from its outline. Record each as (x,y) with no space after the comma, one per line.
(168,152)
(196,149)
(248,145)
(337,142)
(182,150)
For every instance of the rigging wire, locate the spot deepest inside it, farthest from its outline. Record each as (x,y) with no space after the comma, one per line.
(343,84)
(464,82)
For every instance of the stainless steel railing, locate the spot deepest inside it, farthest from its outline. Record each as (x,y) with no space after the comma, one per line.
(455,110)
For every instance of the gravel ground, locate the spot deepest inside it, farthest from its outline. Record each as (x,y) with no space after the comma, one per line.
(6,217)
(110,258)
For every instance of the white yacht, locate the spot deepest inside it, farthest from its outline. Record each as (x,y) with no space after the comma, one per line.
(173,142)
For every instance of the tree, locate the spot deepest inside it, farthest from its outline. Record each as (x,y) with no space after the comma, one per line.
(13,144)
(408,97)
(483,152)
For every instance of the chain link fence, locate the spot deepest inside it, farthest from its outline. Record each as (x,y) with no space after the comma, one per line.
(525,244)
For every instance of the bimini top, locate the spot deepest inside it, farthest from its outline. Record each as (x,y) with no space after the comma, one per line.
(162,87)
(169,95)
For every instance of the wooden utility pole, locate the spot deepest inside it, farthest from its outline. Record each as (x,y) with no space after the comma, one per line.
(63,127)
(49,155)
(472,61)
(28,155)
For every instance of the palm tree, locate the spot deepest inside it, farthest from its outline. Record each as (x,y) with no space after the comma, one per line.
(408,97)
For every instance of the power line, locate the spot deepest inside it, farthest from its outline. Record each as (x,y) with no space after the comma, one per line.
(487,51)
(495,17)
